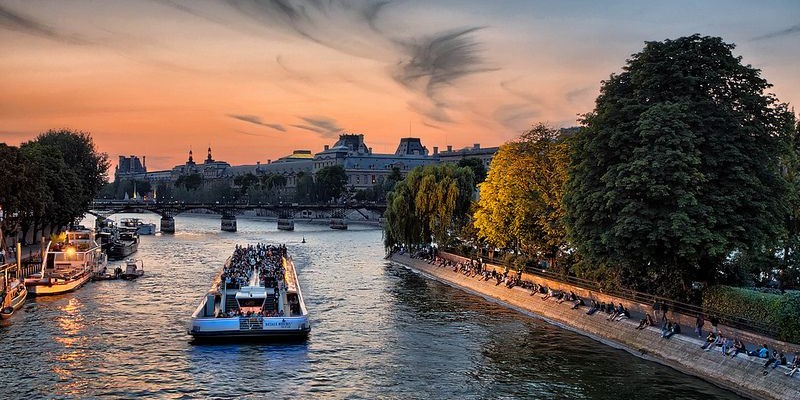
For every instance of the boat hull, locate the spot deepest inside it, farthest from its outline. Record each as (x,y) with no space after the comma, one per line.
(266,329)
(146,229)
(119,251)
(40,288)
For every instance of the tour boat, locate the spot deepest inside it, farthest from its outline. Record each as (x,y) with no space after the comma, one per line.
(67,265)
(14,291)
(133,270)
(125,244)
(254,307)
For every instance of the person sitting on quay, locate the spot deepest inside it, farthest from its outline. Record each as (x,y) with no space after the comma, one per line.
(645,322)
(717,342)
(674,330)
(738,347)
(727,345)
(622,313)
(577,302)
(550,293)
(710,339)
(593,309)
(795,364)
(666,329)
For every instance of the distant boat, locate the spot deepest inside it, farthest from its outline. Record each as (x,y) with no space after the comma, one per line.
(338,223)
(304,239)
(141,228)
(67,265)
(286,224)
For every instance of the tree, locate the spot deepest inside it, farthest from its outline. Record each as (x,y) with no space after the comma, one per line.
(677,167)
(477,167)
(189,182)
(245,181)
(80,155)
(431,203)
(304,188)
(521,200)
(330,182)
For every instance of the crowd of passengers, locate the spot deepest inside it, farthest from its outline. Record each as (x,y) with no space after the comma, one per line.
(715,339)
(265,258)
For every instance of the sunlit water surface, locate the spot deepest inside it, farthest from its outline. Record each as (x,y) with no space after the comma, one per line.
(378,331)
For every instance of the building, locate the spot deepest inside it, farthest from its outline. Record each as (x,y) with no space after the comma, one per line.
(364,168)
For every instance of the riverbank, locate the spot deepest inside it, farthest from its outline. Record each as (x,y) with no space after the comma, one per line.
(742,374)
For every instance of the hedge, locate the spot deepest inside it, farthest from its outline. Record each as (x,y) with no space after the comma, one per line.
(776,312)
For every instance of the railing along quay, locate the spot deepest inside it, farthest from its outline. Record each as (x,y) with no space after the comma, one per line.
(638,297)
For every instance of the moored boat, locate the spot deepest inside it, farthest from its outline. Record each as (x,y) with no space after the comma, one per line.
(67,265)
(338,223)
(140,227)
(133,270)
(14,291)
(256,295)
(125,244)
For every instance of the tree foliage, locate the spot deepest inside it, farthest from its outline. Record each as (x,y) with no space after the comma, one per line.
(477,167)
(520,205)
(330,182)
(677,167)
(50,181)
(189,182)
(431,203)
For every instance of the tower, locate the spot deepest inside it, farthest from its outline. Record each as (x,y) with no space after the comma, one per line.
(209,159)
(191,159)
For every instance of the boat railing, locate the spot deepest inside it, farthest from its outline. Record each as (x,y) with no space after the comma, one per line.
(251,323)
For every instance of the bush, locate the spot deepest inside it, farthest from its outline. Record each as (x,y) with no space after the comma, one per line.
(778,313)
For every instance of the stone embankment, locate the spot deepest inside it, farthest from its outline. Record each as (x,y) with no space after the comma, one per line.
(742,374)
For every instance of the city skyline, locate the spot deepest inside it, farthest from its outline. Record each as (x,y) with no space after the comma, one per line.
(256,80)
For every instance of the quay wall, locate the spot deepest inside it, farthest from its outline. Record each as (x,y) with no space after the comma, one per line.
(742,374)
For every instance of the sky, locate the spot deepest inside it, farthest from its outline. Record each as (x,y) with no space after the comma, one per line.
(256,79)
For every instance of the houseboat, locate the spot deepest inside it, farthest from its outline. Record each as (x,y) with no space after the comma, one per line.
(67,264)
(256,296)
(124,244)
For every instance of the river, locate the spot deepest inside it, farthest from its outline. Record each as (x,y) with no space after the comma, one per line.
(378,331)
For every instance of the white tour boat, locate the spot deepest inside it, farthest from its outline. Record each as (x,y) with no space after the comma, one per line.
(255,296)
(67,265)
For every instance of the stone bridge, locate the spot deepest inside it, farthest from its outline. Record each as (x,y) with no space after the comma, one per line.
(168,210)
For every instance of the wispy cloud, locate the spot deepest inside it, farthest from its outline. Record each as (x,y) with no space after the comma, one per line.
(424,64)
(325,126)
(12,20)
(515,116)
(253,119)
(792,30)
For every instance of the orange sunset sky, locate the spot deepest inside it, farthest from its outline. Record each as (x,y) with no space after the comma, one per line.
(257,79)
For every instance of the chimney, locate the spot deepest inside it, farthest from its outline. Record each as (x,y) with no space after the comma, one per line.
(144,162)
(449,148)
(269,161)
(326,147)
(435,150)
(370,150)
(476,146)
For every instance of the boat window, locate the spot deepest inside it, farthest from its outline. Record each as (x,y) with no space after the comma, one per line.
(51,258)
(251,302)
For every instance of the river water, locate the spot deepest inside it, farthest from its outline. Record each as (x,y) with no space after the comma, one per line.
(378,331)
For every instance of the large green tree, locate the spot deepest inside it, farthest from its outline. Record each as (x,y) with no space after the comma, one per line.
(677,167)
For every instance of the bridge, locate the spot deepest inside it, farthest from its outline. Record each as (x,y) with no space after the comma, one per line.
(168,210)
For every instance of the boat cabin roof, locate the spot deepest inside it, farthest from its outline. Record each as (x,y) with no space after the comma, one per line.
(251,292)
